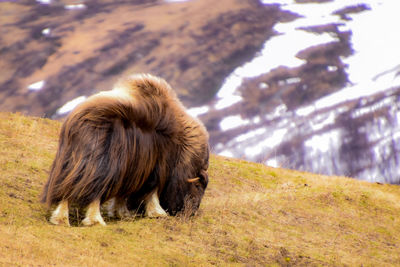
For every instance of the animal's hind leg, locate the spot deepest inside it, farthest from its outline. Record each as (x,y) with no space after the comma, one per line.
(121,209)
(60,214)
(110,207)
(117,207)
(153,207)
(93,215)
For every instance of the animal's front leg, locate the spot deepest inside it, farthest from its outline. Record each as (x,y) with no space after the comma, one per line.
(60,214)
(153,207)
(93,215)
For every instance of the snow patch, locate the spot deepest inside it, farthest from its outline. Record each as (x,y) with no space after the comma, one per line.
(319,125)
(232,122)
(272,163)
(46,31)
(44,2)
(75,6)
(37,86)
(226,153)
(249,135)
(267,144)
(195,112)
(70,105)
(323,143)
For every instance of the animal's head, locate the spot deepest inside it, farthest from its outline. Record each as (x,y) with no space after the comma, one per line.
(184,190)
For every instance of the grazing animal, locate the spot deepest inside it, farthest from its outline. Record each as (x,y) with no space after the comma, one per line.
(132,146)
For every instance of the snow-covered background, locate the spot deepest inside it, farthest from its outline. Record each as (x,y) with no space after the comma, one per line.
(321,94)
(352,131)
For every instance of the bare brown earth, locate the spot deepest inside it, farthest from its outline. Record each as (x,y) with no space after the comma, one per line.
(194,45)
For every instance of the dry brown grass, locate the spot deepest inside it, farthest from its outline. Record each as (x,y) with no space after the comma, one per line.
(251,215)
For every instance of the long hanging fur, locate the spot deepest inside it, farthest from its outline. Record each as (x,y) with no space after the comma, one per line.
(127,142)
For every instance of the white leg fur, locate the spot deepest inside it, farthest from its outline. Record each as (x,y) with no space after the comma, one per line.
(153,208)
(93,215)
(60,214)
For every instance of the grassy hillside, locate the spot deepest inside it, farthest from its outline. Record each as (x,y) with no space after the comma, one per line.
(251,215)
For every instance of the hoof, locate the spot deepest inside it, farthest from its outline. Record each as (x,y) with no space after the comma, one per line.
(156,213)
(93,215)
(123,212)
(117,208)
(59,220)
(60,214)
(93,221)
(153,207)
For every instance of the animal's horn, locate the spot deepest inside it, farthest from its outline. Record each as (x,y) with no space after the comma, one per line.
(193,180)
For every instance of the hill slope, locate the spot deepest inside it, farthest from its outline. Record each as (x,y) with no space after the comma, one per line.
(250,215)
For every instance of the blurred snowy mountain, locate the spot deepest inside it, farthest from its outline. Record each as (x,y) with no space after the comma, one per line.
(307,84)
(321,96)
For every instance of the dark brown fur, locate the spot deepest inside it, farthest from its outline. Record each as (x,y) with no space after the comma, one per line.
(126,147)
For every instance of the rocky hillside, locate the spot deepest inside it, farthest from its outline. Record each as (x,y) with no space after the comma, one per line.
(312,85)
(321,96)
(251,215)
(55,51)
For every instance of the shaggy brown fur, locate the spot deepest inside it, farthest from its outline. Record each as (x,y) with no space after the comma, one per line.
(127,146)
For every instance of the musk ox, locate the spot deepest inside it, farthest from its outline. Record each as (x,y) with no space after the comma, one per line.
(131,145)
